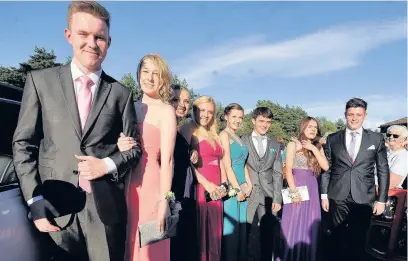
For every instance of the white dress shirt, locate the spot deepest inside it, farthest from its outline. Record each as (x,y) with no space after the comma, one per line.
(77,73)
(359,136)
(96,79)
(255,141)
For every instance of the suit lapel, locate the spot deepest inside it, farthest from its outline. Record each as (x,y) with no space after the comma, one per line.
(101,95)
(253,152)
(67,87)
(363,145)
(251,143)
(343,143)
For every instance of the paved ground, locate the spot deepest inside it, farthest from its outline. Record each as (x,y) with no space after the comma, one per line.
(254,247)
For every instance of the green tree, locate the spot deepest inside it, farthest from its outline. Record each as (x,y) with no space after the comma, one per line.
(41,59)
(288,117)
(68,60)
(276,131)
(12,76)
(129,81)
(246,127)
(183,83)
(326,125)
(219,112)
(340,125)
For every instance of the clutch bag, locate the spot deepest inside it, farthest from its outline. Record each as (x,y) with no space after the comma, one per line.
(224,189)
(148,233)
(304,194)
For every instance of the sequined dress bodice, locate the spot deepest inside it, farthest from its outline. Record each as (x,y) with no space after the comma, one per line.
(300,161)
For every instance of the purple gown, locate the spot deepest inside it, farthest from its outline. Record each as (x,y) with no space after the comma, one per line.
(301,223)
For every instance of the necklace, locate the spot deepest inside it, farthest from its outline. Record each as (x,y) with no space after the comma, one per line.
(234,137)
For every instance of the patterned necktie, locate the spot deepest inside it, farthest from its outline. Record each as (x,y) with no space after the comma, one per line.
(84,101)
(261,150)
(352,146)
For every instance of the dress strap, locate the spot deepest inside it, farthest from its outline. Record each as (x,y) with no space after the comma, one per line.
(234,137)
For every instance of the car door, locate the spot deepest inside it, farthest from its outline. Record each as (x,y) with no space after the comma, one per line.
(19,239)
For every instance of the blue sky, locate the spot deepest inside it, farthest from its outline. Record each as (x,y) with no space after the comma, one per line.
(315,55)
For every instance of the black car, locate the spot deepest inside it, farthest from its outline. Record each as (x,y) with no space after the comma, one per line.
(19,239)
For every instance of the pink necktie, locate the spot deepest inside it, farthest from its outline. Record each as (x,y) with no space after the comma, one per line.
(84,100)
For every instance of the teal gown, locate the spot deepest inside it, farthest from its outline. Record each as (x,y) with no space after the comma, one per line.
(235,212)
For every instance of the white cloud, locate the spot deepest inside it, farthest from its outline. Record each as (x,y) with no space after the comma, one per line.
(381,109)
(323,51)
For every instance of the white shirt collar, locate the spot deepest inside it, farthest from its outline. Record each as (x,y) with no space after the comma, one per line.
(76,73)
(359,131)
(254,134)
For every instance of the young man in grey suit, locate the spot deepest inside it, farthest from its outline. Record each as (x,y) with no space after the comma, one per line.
(65,154)
(348,187)
(265,169)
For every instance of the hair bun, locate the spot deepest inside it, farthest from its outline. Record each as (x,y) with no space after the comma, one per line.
(222,116)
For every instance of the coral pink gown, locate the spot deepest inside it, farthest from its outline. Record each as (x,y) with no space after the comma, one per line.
(142,194)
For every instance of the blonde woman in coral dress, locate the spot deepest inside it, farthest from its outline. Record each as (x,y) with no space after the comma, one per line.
(148,183)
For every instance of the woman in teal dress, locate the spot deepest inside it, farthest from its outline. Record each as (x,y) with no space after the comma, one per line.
(235,206)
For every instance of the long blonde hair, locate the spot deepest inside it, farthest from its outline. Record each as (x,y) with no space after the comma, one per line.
(163,92)
(212,129)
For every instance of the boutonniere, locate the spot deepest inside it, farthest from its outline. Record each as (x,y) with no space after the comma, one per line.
(272,150)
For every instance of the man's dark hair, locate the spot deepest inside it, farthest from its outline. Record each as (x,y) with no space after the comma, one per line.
(175,87)
(262,111)
(356,103)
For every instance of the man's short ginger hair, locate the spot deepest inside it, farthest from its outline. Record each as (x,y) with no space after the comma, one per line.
(90,7)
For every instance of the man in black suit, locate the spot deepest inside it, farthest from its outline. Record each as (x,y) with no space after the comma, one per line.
(65,154)
(348,187)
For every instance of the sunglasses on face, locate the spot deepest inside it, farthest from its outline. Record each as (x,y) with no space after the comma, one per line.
(395,136)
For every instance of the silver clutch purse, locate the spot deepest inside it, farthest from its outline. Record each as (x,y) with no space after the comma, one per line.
(148,233)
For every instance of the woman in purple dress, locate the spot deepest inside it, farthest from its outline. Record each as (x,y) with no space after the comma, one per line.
(301,219)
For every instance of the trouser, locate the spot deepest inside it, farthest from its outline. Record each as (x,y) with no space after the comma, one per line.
(350,223)
(87,238)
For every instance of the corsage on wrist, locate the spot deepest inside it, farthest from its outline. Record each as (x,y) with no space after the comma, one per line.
(233,191)
(169,196)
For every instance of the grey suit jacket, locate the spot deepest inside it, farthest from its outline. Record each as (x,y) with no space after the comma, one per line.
(265,172)
(49,133)
(344,177)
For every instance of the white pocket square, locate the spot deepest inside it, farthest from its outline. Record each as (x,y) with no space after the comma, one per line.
(372,147)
